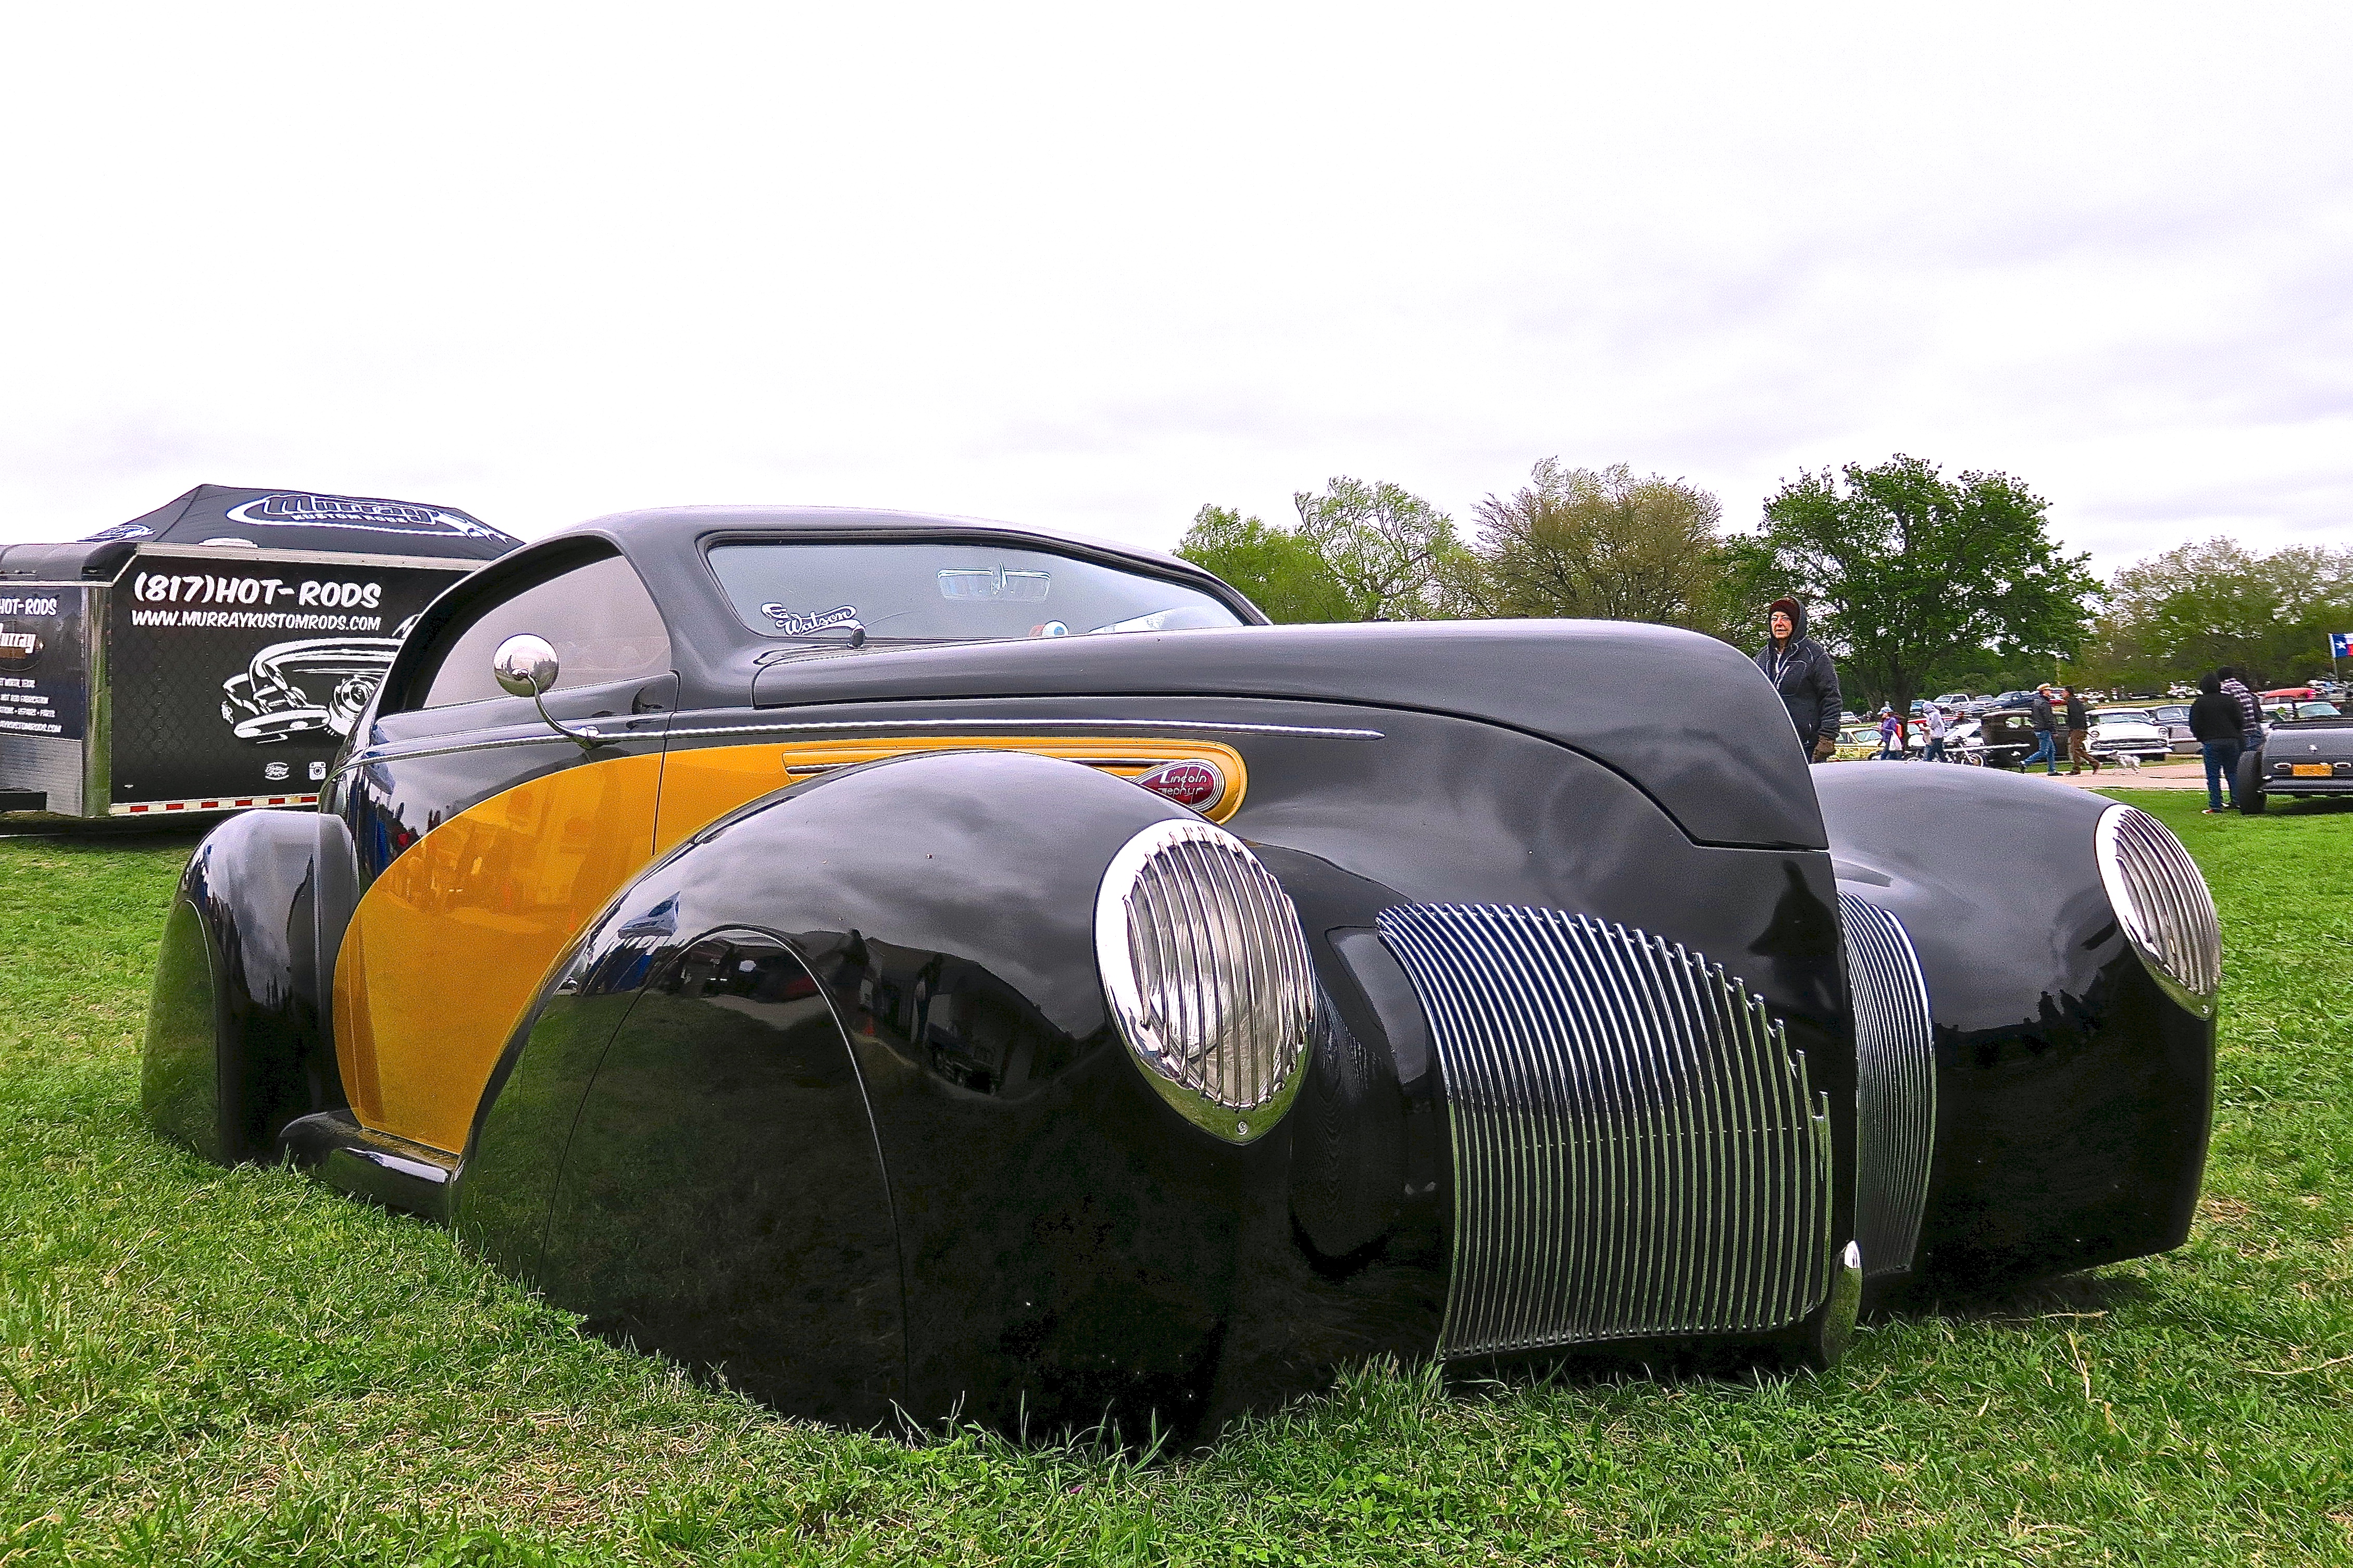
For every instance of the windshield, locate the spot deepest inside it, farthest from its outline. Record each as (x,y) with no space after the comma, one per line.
(2313,711)
(946,592)
(2125,716)
(2177,713)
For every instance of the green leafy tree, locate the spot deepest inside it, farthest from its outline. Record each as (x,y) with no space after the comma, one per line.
(1276,568)
(1905,570)
(1395,556)
(2177,615)
(1606,544)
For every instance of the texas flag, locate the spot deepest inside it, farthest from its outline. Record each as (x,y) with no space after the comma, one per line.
(2341,644)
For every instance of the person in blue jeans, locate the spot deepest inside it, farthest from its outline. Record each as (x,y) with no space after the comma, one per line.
(2046,739)
(2217,724)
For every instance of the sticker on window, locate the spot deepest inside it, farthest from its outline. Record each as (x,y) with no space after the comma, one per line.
(996,583)
(794,625)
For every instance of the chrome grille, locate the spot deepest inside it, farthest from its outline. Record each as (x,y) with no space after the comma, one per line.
(1894,1085)
(2162,903)
(1637,1151)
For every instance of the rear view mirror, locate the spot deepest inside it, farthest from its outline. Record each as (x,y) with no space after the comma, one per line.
(525,665)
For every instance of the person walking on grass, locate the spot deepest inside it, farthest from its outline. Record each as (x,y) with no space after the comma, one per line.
(1802,674)
(2251,712)
(1932,723)
(2079,735)
(2216,722)
(2046,742)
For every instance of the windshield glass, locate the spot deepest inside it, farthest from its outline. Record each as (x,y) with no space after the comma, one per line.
(946,592)
(2125,716)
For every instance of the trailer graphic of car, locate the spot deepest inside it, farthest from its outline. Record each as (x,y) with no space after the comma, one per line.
(302,688)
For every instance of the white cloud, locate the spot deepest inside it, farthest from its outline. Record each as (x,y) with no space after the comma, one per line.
(1090,268)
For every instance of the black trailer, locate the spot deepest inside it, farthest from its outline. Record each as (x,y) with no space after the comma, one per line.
(212,654)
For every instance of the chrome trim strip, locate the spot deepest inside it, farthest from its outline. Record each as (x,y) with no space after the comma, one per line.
(1218,727)
(844,726)
(1894,1084)
(1637,1151)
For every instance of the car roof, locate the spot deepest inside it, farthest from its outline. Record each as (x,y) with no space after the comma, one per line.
(682,527)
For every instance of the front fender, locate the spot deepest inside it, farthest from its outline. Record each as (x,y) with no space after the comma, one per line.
(2074,1095)
(1063,1242)
(234,1046)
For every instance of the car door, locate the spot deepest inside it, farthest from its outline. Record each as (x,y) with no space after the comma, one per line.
(483,839)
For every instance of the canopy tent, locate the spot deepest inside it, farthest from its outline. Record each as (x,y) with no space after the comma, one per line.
(269,521)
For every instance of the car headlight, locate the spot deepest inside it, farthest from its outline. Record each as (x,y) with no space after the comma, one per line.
(1208,975)
(2162,903)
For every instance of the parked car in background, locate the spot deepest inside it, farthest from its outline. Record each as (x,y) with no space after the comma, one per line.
(2291,712)
(2005,735)
(1856,743)
(2173,718)
(2128,732)
(2311,754)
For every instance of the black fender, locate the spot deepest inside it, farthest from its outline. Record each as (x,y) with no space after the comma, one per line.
(237,1043)
(2075,1097)
(874,998)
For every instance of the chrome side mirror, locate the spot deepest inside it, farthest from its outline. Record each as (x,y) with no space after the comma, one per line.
(524,666)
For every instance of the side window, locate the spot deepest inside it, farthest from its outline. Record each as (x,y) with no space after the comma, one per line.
(600,616)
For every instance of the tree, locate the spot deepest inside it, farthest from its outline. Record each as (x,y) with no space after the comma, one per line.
(1607,545)
(1903,570)
(2179,614)
(1277,569)
(1395,556)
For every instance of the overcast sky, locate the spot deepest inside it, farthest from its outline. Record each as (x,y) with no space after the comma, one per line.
(1090,267)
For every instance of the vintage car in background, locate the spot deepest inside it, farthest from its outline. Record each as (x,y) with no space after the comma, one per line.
(2293,712)
(2307,755)
(924,966)
(2173,718)
(2119,733)
(1857,744)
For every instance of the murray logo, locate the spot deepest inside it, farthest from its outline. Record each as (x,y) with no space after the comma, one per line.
(19,651)
(795,625)
(299,509)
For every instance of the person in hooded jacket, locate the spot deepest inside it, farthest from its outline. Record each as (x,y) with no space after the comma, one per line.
(1802,673)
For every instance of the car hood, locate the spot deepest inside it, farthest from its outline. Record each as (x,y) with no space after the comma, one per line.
(1686,719)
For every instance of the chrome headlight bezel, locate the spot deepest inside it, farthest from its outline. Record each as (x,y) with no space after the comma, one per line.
(1208,975)
(2161,903)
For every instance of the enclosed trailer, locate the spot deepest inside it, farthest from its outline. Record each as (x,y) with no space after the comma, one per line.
(212,654)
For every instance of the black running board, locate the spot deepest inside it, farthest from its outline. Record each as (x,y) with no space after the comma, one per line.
(394,1172)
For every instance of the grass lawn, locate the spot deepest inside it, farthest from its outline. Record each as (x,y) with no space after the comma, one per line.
(206,1365)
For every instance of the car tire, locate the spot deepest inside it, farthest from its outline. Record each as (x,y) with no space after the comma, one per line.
(2247,786)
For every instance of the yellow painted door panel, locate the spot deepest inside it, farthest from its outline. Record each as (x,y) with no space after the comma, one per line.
(449,944)
(702,785)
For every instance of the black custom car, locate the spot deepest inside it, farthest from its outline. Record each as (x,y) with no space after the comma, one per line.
(904,961)
(2298,757)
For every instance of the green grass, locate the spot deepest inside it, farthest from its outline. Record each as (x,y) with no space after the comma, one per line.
(207,1365)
